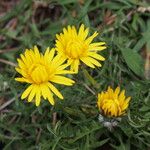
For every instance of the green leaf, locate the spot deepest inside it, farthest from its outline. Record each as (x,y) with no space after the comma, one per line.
(100,143)
(144,108)
(87,131)
(65,2)
(133,60)
(89,77)
(147,115)
(11,33)
(35,30)
(139,44)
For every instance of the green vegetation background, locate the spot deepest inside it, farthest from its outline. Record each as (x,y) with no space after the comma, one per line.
(72,124)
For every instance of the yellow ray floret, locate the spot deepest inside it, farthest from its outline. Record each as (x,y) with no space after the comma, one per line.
(40,71)
(113,103)
(77,46)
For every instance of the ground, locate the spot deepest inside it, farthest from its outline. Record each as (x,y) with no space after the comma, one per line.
(72,124)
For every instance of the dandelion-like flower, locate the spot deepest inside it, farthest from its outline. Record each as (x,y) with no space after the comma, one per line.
(76,46)
(113,103)
(40,71)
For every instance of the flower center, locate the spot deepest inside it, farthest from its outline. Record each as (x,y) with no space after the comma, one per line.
(38,73)
(75,49)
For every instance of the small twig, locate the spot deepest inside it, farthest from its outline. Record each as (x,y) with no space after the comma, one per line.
(7,103)
(33,118)
(12,119)
(7,50)
(89,89)
(147,65)
(127,18)
(7,111)
(38,135)
(143,9)
(8,62)
(54,119)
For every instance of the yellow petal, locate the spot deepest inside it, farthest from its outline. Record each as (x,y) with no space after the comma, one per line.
(54,90)
(65,31)
(96,44)
(87,62)
(117,91)
(90,39)
(58,60)
(64,72)
(38,96)
(81,30)
(46,55)
(36,51)
(62,80)
(83,33)
(128,99)
(27,91)
(23,80)
(23,58)
(22,72)
(96,56)
(50,55)
(51,99)
(75,65)
(21,64)
(94,61)
(32,94)
(69,29)
(100,48)
(69,62)
(60,68)
(45,90)
(122,95)
(74,31)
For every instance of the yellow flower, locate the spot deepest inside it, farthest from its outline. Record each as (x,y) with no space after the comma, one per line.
(39,71)
(113,103)
(76,46)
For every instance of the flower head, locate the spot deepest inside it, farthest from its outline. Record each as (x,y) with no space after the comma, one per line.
(113,103)
(76,46)
(40,71)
